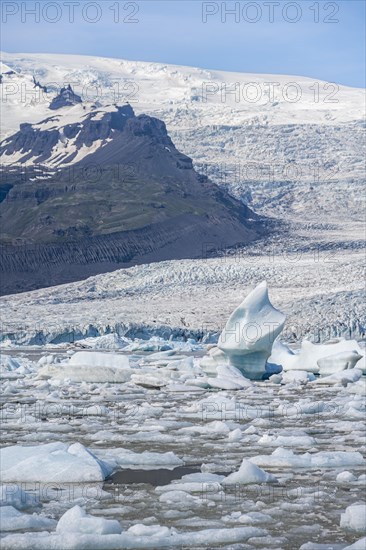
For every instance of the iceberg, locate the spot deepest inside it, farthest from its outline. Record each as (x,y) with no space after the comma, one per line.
(249,333)
(56,462)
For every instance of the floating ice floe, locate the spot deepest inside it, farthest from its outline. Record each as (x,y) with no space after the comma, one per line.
(76,520)
(324,459)
(342,377)
(145,460)
(137,536)
(57,462)
(214,358)
(14,495)
(229,378)
(283,356)
(200,483)
(249,473)
(358,545)
(296,377)
(328,358)
(153,344)
(338,362)
(85,366)
(107,341)
(358,387)
(299,439)
(354,518)
(246,341)
(346,477)
(13,520)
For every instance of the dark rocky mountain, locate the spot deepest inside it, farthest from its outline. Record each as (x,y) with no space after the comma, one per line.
(66,98)
(88,191)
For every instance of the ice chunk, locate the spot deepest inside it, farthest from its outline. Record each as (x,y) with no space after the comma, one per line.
(215,358)
(86,373)
(14,495)
(301,440)
(146,459)
(338,362)
(324,459)
(206,538)
(309,355)
(93,366)
(76,520)
(232,374)
(13,520)
(354,518)
(358,545)
(282,355)
(249,334)
(346,477)
(249,473)
(297,377)
(99,359)
(149,381)
(141,530)
(57,462)
(343,377)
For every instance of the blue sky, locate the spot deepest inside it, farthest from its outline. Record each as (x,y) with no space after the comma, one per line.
(322,39)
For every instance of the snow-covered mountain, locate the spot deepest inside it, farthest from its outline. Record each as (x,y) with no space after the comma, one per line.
(287,145)
(142,201)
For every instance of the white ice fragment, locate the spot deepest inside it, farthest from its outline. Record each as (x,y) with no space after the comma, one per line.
(343,377)
(140,530)
(56,462)
(213,359)
(358,545)
(283,458)
(76,520)
(249,473)
(309,354)
(302,440)
(125,457)
(283,356)
(235,435)
(13,520)
(338,362)
(99,359)
(149,381)
(14,495)
(346,477)
(297,377)
(90,367)
(354,518)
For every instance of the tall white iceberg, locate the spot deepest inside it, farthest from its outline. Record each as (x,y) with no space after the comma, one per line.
(249,334)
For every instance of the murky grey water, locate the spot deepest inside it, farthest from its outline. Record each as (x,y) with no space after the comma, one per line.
(161,476)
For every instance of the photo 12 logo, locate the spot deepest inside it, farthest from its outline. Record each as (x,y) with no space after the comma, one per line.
(270,12)
(70,12)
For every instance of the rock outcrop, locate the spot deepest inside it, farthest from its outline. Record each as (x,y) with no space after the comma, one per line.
(66,98)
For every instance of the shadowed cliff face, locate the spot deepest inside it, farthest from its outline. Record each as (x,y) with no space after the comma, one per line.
(106,191)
